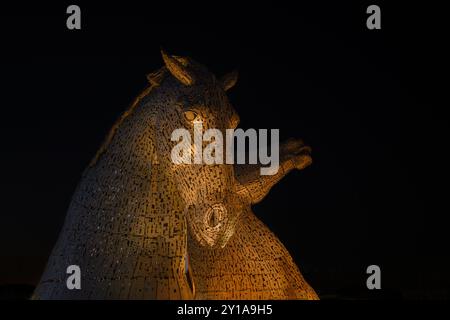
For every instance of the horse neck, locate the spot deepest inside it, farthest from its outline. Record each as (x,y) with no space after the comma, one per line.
(129,172)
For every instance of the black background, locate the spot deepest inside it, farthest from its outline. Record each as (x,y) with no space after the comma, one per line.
(366,101)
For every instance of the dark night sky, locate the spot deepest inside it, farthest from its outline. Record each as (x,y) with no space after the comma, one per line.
(365,101)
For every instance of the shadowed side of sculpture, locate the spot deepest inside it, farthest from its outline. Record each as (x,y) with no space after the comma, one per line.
(142,227)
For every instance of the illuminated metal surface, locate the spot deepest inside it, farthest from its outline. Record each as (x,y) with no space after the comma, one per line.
(136,218)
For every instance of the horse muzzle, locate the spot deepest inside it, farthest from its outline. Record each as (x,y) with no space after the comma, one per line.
(213,224)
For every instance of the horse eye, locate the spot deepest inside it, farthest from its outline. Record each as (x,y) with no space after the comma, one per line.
(190,115)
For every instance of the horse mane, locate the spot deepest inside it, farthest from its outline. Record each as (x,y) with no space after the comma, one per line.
(155,79)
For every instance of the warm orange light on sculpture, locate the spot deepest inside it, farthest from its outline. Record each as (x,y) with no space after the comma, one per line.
(141,227)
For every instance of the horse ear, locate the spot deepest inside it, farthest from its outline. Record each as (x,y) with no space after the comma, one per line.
(177,69)
(229,80)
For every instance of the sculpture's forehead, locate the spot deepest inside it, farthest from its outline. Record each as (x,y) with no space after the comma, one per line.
(204,96)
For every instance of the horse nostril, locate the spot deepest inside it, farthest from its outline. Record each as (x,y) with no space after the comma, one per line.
(215,215)
(213,220)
